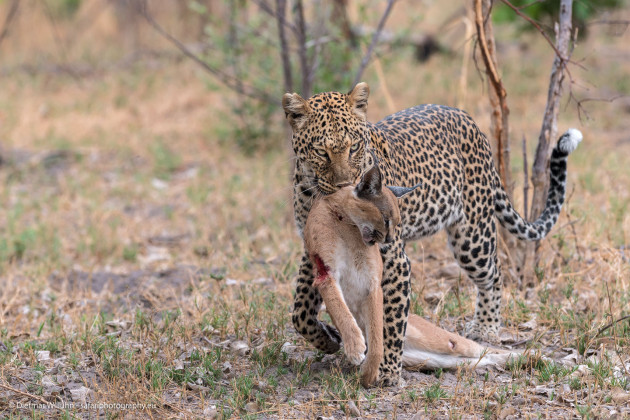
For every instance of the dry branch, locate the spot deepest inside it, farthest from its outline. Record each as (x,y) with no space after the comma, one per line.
(281,11)
(525,180)
(497,93)
(549,129)
(281,17)
(29,395)
(7,21)
(302,49)
(375,37)
(226,79)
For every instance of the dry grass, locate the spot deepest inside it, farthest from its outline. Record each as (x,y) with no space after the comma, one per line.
(143,258)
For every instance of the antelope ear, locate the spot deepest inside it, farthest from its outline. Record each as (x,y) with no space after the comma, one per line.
(370,184)
(358,100)
(296,109)
(400,192)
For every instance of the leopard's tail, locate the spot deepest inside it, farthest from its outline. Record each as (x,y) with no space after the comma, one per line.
(538,229)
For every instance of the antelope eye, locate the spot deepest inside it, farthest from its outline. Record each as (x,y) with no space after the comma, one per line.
(355,147)
(321,153)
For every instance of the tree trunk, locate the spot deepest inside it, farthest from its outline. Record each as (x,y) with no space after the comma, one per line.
(499,124)
(498,96)
(548,134)
(287,73)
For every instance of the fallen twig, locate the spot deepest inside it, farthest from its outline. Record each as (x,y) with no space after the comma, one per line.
(604,328)
(27,394)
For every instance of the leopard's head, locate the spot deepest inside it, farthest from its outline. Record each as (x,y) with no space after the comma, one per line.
(330,136)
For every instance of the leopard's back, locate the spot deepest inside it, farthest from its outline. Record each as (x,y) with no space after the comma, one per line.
(443,148)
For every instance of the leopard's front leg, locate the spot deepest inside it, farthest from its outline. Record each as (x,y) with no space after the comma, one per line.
(305,311)
(396,289)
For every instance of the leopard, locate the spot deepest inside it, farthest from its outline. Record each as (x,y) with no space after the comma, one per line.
(443,149)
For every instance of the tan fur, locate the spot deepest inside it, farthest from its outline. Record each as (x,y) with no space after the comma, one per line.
(339,237)
(354,344)
(332,225)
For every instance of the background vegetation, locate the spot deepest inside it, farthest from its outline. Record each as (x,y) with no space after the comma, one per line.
(147,247)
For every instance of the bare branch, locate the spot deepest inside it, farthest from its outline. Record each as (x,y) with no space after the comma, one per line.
(549,127)
(497,93)
(525,180)
(7,21)
(541,30)
(375,37)
(280,16)
(226,79)
(302,49)
(29,395)
(281,10)
(604,328)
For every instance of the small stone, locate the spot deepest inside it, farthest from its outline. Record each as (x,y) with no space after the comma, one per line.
(158,184)
(118,325)
(251,407)
(197,387)
(507,411)
(42,355)
(81,394)
(240,347)
(50,387)
(354,410)
(569,360)
(532,324)
(619,396)
(288,348)
(226,367)
(519,401)
(201,251)
(433,298)
(582,370)
(210,412)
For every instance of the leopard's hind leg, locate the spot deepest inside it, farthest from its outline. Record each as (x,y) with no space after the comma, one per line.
(475,249)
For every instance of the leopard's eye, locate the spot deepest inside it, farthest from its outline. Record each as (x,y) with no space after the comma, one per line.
(355,147)
(321,153)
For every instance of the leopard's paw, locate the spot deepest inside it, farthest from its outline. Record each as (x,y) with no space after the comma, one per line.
(330,341)
(389,379)
(482,332)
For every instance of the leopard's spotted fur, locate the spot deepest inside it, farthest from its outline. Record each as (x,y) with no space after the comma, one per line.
(443,149)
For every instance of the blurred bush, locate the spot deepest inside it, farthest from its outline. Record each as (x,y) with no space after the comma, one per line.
(64,9)
(243,40)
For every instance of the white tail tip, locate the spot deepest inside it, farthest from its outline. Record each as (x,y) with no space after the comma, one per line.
(570,140)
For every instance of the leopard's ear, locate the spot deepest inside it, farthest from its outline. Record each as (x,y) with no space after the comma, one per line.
(358,100)
(370,184)
(296,109)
